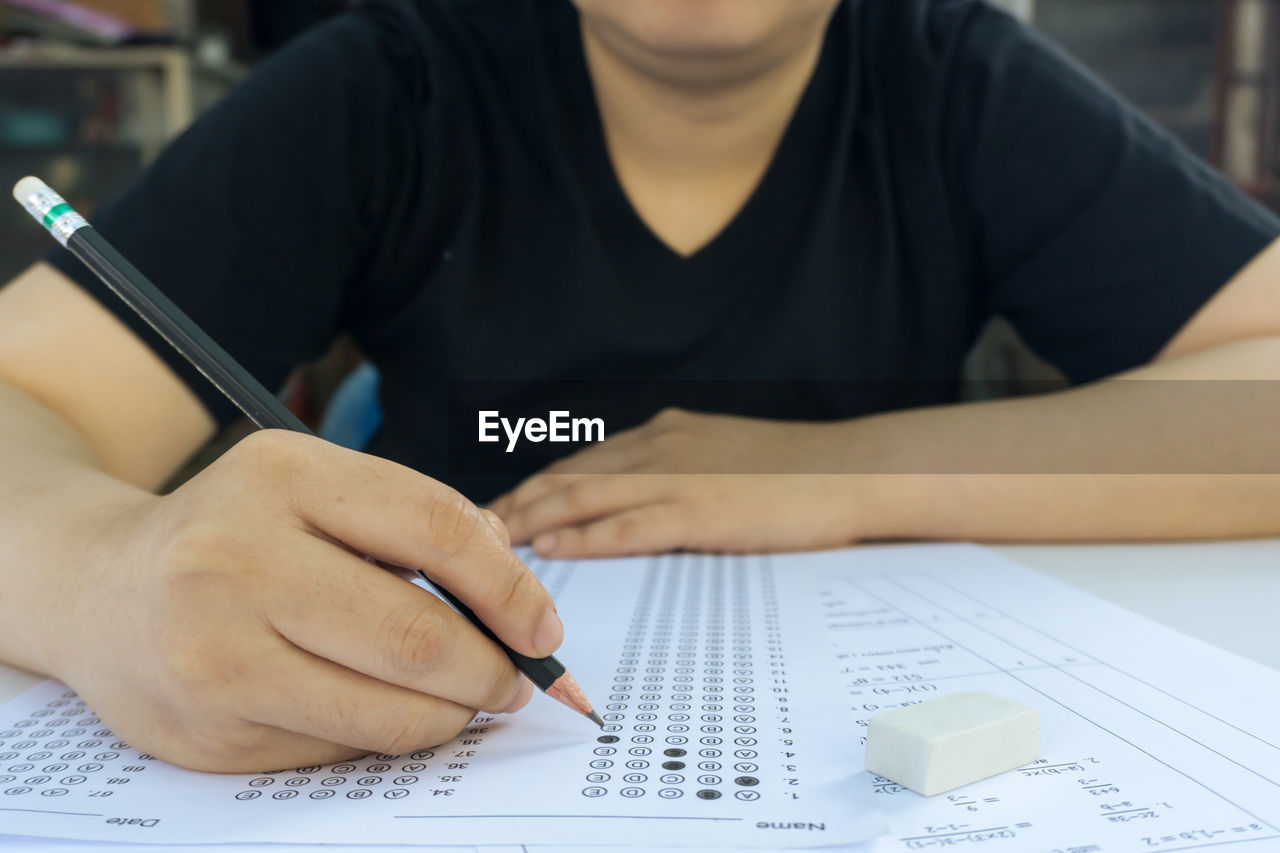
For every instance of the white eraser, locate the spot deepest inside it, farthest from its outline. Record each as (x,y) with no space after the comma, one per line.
(28,187)
(953,740)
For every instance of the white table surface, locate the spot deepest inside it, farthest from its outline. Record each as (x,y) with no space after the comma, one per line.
(1225,593)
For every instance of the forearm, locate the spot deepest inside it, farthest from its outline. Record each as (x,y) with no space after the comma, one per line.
(1191,452)
(57,507)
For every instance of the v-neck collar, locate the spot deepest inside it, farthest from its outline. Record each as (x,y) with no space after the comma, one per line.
(793,170)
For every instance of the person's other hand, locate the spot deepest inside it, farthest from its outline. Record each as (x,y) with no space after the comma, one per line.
(235,625)
(692,481)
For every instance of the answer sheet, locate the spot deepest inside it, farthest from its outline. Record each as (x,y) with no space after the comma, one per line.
(29,844)
(1150,740)
(725,728)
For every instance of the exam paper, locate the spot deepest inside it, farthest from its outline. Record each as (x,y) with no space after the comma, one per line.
(1151,740)
(29,844)
(724,727)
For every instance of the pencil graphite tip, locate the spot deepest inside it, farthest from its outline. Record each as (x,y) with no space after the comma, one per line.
(564,689)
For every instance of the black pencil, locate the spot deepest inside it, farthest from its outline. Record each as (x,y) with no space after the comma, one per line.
(262,407)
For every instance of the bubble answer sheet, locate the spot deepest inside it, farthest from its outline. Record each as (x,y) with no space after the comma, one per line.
(724,728)
(1150,740)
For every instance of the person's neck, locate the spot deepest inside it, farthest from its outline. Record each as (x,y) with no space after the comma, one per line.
(690,142)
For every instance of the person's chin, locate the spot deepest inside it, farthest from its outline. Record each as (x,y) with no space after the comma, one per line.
(686,29)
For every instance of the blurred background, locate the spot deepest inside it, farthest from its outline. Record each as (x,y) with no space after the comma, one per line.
(90,91)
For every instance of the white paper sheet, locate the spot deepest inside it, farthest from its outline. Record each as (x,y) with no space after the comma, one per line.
(1151,740)
(1179,740)
(29,844)
(713,675)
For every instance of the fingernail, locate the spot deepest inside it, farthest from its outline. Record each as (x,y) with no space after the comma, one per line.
(546,543)
(550,633)
(522,698)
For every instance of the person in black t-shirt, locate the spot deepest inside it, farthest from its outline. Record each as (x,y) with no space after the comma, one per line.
(763,235)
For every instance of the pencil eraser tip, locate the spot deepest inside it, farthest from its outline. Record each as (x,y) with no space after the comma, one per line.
(944,743)
(28,187)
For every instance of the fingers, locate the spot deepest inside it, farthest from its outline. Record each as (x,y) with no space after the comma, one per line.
(260,748)
(279,748)
(530,490)
(369,621)
(293,710)
(497,524)
(397,515)
(644,530)
(317,698)
(580,500)
(622,452)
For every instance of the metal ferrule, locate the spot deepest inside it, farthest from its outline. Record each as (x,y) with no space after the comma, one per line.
(52,211)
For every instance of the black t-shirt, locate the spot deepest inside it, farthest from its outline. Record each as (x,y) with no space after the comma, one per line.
(431,176)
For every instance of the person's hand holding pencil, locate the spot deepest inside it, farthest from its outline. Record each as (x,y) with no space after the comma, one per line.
(259,638)
(245,622)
